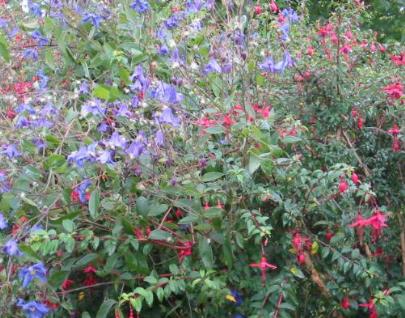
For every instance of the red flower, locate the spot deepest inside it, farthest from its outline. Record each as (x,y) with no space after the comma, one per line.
(228,121)
(67,283)
(90,281)
(355,178)
(219,204)
(273,6)
(89,269)
(310,50)
(360,222)
(185,249)
(258,10)
(346,49)
(345,303)
(328,235)
(10,113)
(396,145)
(398,60)
(360,122)
(206,122)
(206,206)
(394,90)
(355,113)
(394,130)
(74,196)
(301,258)
(48,303)
(372,310)
(377,223)
(263,265)
(343,186)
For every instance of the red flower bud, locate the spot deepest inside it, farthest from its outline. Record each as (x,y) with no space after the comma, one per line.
(345,303)
(343,186)
(355,178)
(301,258)
(258,10)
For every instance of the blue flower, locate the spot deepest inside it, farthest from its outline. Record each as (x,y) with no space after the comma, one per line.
(140,6)
(166,93)
(31,54)
(35,9)
(43,79)
(33,309)
(29,273)
(85,153)
(168,117)
(92,18)
(105,157)
(4,183)
(39,38)
(11,248)
(163,50)
(122,111)
(39,143)
(11,151)
(212,67)
(285,30)
(116,141)
(269,66)
(290,14)
(3,222)
(84,88)
(159,138)
(140,82)
(82,188)
(93,107)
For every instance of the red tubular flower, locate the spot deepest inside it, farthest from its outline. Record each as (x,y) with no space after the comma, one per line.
(228,121)
(74,196)
(328,235)
(263,265)
(355,178)
(360,222)
(90,281)
(89,269)
(394,130)
(394,91)
(67,283)
(343,186)
(372,310)
(185,249)
(360,122)
(219,204)
(301,258)
(396,145)
(345,303)
(10,113)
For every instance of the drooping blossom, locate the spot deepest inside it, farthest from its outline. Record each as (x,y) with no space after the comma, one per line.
(29,273)
(343,185)
(398,60)
(345,303)
(372,310)
(355,178)
(395,130)
(263,265)
(185,249)
(273,6)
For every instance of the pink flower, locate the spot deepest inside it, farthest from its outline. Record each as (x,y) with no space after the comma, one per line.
(360,222)
(343,186)
(345,303)
(394,130)
(258,10)
(394,90)
(263,265)
(185,249)
(398,60)
(355,178)
(273,6)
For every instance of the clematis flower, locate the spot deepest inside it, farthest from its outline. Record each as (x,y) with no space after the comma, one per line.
(116,141)
(29,273)
(3,222)
(394,91)
(11,248)
(168,117)
(32,309)
(140,6)
(263,265)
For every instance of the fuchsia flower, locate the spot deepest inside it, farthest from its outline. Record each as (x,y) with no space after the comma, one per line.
(273,6)
(345,303)
(372,310)
(263,265)
(377,222)
(394,90)
(343,185)
(398,60)
(185,249)
(394,130)
(360,222)
(258,10)
(355,178)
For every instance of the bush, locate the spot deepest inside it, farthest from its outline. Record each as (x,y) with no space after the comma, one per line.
(198,158)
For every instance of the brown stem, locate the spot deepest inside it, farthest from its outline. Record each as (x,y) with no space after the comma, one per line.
(402,238)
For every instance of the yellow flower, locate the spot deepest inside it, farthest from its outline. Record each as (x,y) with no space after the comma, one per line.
(230,298)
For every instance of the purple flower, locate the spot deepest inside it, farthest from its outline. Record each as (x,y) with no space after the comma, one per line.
(4,183)
(82,188)
(140,6)
(35,9)
(123,111)
(29,273)
(49,110)
(84,87)
(93,107)
(30,54)
(33,309)
(43,79)
(39,143)
(285,30)
(287,60)
(92,18)
(212,67)
(135,149)
(166,93)
(85,153)
(39,38)
(3,23)
(290,14)
(25,108)
(168,117)
(163,50)
(159,138)
(116,141)
(105,157)
(11,151)
(140,82)
(11,248)
(174,20)
(3,222)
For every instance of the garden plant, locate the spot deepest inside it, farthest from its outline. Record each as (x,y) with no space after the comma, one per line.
(199,158)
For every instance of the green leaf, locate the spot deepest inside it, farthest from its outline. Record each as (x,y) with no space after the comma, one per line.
(136,303)
(68,225)
(215,130)
(4,51)
(254,164)
(157,209)
(54,161)
(105,308)
(211,176)
(86,259)
(142,205)
(94,203)
(160,235)
(188,219)
(206,252)
(101,92)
